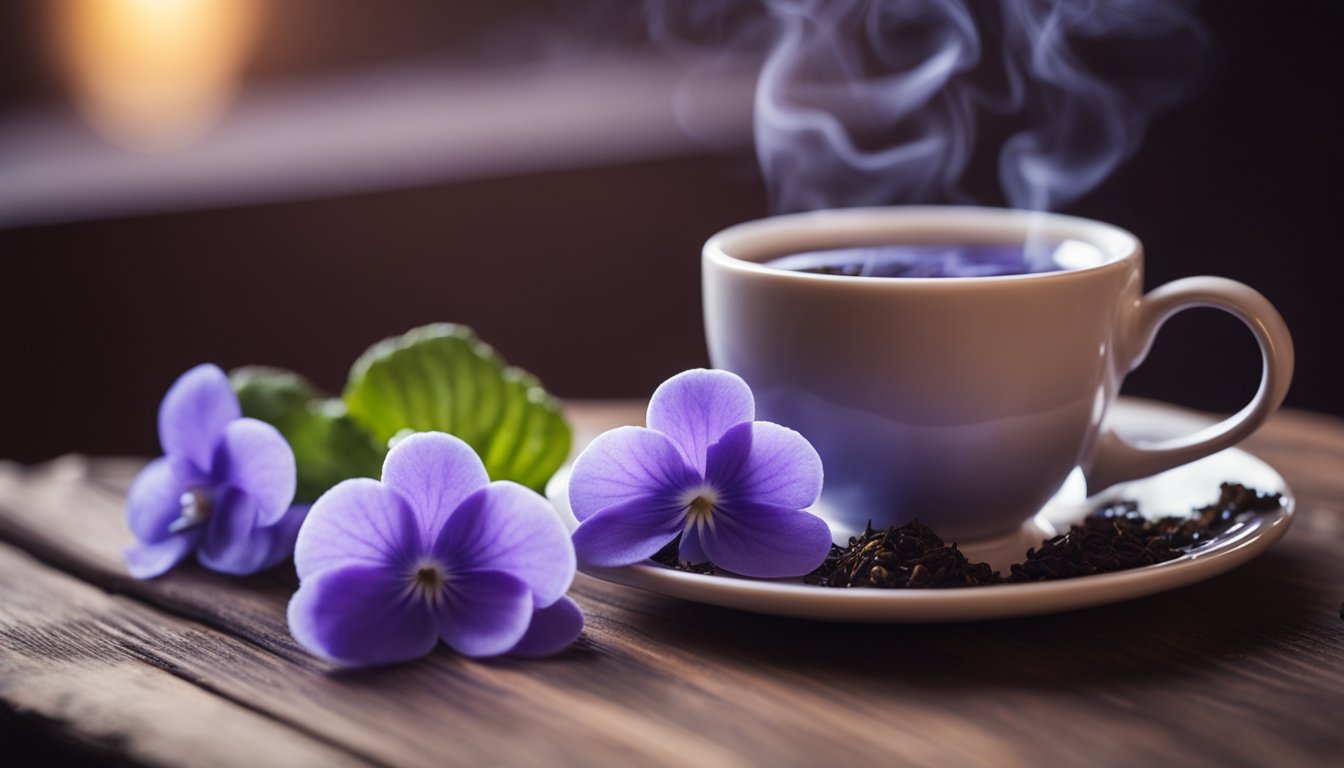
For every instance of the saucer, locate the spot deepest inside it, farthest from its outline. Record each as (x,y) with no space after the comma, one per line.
(1174,492)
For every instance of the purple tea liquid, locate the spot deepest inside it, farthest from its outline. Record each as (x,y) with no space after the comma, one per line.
(918,260)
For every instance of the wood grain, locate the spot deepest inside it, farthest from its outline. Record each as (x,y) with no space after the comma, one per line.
(89,663)
(1245,669)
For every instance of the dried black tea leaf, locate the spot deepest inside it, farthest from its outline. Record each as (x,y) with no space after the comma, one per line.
(1115,537)
(910,556)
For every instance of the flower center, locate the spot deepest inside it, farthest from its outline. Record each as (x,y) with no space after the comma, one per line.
(700,509)
(196,505)
(426,580)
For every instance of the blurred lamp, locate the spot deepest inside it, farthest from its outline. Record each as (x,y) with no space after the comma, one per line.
(153,75)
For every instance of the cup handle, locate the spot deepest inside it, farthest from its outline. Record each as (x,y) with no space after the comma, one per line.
(1115,460)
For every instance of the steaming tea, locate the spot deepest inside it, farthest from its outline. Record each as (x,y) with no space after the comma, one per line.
(943,260)
(963,401)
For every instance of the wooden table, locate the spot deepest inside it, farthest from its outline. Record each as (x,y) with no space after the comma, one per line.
(198,668)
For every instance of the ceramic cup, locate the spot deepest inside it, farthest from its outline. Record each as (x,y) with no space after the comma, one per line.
(964,402)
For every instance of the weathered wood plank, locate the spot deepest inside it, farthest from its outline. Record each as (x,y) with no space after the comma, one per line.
(86,662)
(1248,668)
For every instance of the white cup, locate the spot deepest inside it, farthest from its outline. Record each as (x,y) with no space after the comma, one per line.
(964,402)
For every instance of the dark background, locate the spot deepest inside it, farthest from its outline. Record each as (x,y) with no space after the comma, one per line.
(590,277)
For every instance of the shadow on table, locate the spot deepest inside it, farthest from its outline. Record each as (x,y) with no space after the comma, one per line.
(1255,609)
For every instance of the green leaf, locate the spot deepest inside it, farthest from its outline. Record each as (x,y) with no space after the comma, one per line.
(442,377)
(273,395)
(328,445)
(331,447)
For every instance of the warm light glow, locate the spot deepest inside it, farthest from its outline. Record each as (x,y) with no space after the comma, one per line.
(154,75)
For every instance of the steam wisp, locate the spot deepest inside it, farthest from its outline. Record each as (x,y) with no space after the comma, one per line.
(868,102)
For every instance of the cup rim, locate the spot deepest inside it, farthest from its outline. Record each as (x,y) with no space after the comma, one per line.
(856,227)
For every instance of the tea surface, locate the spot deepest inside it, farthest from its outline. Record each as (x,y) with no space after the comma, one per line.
(942,260)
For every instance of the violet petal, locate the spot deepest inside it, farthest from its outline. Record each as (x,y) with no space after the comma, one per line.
(690,549)
(146,561)
(434,472)
(766,541)
(694,408)
(624,465)
(506,527)
(358,522)
(628,533)
(187,474)
(361,616)
(280,537)
(552,629)
(253,457)
(765,463)
(233,542)
(484,613)
(194,413)
(154,501)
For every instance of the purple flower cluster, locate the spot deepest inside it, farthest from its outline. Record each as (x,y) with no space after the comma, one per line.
(436,552)
(222,489)
(433,552)
(733,488)
(386,569)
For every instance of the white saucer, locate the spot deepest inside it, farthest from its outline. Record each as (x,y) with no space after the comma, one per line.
(1175,492)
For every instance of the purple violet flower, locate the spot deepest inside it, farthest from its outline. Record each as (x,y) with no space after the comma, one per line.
(434,551)
(734,488)
(222,488)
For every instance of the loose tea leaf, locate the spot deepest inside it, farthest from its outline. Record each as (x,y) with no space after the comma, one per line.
(1113,538)
(910,556)
(1117,537)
